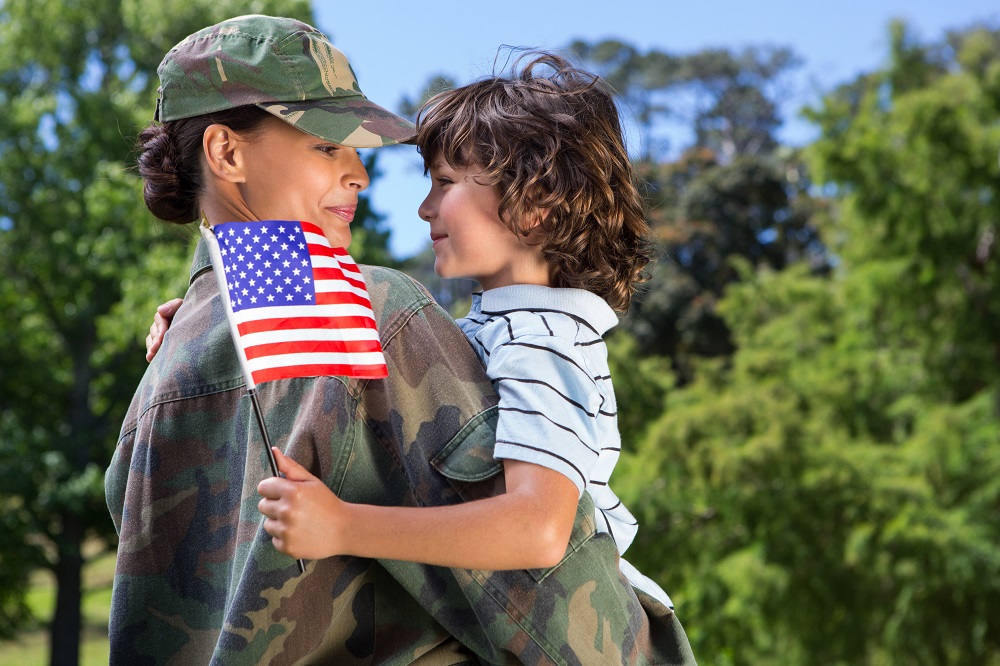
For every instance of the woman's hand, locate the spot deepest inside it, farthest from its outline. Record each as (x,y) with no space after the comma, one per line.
(302,513)
(161,322)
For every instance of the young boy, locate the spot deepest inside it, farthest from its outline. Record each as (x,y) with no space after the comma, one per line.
(533,196)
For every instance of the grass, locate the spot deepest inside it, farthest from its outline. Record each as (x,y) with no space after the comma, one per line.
(31,648)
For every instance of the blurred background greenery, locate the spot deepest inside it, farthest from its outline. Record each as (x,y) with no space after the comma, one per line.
(809,386)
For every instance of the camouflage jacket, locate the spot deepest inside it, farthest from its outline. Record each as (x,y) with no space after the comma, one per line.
(197,580)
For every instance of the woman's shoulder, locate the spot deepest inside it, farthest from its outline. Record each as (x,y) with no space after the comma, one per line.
(392,290)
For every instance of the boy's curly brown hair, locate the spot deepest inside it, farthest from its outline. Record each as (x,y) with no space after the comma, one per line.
(550,141)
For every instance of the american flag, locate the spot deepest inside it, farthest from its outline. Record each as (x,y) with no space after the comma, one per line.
(297,307)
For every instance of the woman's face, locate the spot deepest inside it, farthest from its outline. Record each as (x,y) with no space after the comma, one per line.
(291,175)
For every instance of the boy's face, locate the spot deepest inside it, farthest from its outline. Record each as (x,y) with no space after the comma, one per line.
(291,175)
(469,239)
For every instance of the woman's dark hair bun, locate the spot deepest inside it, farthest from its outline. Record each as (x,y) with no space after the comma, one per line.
(169,190)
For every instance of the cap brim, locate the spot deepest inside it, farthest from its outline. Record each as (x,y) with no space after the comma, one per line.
(354,121)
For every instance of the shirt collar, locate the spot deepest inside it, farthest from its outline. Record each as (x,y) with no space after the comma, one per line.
(202,260)
(576,302)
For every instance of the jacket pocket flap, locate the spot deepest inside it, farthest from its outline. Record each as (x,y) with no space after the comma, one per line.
(469,455)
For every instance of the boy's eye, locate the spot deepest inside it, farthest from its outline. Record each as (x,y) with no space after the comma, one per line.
(329,149)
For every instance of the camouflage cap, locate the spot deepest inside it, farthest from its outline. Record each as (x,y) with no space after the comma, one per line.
(284,66)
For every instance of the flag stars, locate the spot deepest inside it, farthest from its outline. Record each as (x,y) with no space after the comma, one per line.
(262,266)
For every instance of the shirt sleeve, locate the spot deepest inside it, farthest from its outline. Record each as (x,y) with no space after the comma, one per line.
(549,402)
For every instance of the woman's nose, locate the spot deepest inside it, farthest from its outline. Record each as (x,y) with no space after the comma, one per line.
(356,175)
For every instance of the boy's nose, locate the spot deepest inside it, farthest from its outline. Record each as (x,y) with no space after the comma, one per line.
(424,211)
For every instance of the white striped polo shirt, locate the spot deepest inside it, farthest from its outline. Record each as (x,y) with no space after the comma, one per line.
(543,351)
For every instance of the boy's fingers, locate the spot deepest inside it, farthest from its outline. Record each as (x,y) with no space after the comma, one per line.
(291,469)
(270,488)
(161,322)
(169,309)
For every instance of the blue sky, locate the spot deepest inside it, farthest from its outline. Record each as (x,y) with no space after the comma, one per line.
(395,47)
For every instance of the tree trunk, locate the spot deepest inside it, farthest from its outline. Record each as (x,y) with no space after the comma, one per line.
(64,635)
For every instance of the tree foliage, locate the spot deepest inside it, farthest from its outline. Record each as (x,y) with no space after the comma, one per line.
(729,194)
(830,493)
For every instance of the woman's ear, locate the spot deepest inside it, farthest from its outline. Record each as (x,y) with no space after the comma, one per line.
(222,148)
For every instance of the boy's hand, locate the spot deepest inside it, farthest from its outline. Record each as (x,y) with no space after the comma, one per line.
(161,322)
(301,512)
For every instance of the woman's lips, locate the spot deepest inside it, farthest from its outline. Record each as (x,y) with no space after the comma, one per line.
(345,212)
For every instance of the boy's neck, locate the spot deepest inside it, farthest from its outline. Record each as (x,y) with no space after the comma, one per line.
(536,273)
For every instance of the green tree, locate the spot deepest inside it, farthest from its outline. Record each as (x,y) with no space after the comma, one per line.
(729,193)
(84,264)
(829,494)
(706,215)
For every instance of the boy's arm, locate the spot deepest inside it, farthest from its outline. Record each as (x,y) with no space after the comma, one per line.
(525,528)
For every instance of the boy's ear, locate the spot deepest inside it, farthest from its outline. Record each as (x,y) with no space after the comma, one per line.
(223,152)
(531,227)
